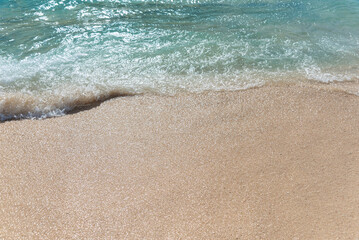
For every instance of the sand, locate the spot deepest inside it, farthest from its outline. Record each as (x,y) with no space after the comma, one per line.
(276,162)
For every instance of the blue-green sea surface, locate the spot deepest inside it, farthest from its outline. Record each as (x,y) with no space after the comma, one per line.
(58,54)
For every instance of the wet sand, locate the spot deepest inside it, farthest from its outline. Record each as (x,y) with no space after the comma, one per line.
(277,162)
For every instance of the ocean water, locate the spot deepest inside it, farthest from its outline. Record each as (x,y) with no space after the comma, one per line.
(59,54)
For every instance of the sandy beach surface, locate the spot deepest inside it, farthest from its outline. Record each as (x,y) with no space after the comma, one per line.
(276,162)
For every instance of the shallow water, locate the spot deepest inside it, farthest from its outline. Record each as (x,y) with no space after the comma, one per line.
(58,54)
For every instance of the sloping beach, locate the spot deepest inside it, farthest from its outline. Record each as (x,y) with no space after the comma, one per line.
(276,162)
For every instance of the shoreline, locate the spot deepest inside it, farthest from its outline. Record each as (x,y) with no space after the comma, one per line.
(86,102)
(273,162)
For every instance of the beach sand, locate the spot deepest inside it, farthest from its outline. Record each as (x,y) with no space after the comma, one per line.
(276,162)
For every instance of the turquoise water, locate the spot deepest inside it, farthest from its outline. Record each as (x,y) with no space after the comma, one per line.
(57,54)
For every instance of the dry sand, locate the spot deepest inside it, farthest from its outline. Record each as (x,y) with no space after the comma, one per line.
(277,162)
